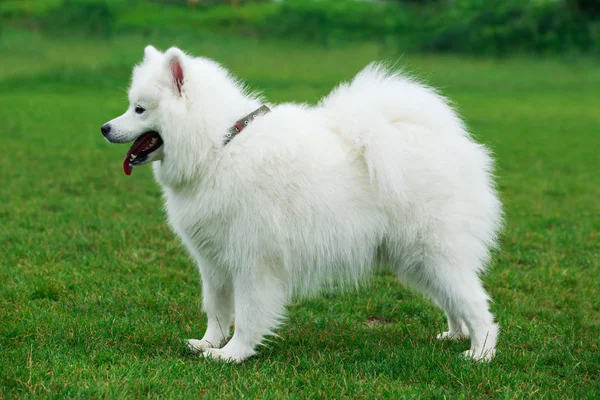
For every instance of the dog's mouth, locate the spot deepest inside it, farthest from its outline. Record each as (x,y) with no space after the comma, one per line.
(139,151)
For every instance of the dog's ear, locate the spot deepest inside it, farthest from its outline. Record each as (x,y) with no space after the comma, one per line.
(150,52)
(174,59)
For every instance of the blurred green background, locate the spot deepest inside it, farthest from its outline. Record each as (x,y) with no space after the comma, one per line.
(96,294)
(504,27)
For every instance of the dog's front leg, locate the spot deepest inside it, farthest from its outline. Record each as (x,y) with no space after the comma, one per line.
(217,293)
(260,299)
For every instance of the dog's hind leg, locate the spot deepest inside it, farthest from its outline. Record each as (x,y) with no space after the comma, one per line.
(217,293)
(459,292)
(260,300)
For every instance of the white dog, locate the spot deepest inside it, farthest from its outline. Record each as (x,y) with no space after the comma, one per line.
(382,172)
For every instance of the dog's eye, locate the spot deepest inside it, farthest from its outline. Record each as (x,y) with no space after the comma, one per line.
(139,110)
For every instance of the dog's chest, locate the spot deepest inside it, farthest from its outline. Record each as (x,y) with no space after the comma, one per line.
(199,219)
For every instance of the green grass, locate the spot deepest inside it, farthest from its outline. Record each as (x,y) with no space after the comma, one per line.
(96,293)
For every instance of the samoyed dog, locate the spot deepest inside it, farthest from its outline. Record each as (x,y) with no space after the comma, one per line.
(275,201)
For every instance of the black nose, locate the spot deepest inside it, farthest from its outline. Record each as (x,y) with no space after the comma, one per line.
(105,129)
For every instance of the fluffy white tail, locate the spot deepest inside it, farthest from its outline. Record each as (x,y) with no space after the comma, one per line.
(377,93)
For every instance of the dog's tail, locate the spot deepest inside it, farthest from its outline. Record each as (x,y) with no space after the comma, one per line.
(379,94)
(385,115)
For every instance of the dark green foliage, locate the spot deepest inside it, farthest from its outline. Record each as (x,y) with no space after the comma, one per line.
(464,26)
(480,26)
(460,26)
(329,22)
(589,7)
(88,17)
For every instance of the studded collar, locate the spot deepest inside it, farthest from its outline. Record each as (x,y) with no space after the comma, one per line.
(241,124)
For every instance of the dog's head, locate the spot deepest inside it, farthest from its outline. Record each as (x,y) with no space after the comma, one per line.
(156,94)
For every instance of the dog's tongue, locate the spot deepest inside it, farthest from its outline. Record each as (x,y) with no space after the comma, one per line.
(141,144)
(127,168)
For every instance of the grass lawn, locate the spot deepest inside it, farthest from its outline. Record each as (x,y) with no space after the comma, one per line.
(96,293)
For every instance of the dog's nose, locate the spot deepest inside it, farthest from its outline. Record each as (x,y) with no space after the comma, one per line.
(105,129)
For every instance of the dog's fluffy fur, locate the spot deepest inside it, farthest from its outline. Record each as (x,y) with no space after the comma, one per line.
(381,173)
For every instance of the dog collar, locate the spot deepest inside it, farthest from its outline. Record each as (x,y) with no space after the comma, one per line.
(243,123)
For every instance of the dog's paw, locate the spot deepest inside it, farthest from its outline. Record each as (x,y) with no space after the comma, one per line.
(221,355)
(451,336)
(484,355)
(198,346)
(232,353)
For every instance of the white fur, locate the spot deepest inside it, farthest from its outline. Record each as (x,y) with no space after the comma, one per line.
(382,172)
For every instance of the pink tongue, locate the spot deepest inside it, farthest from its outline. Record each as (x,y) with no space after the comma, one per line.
(127,168)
